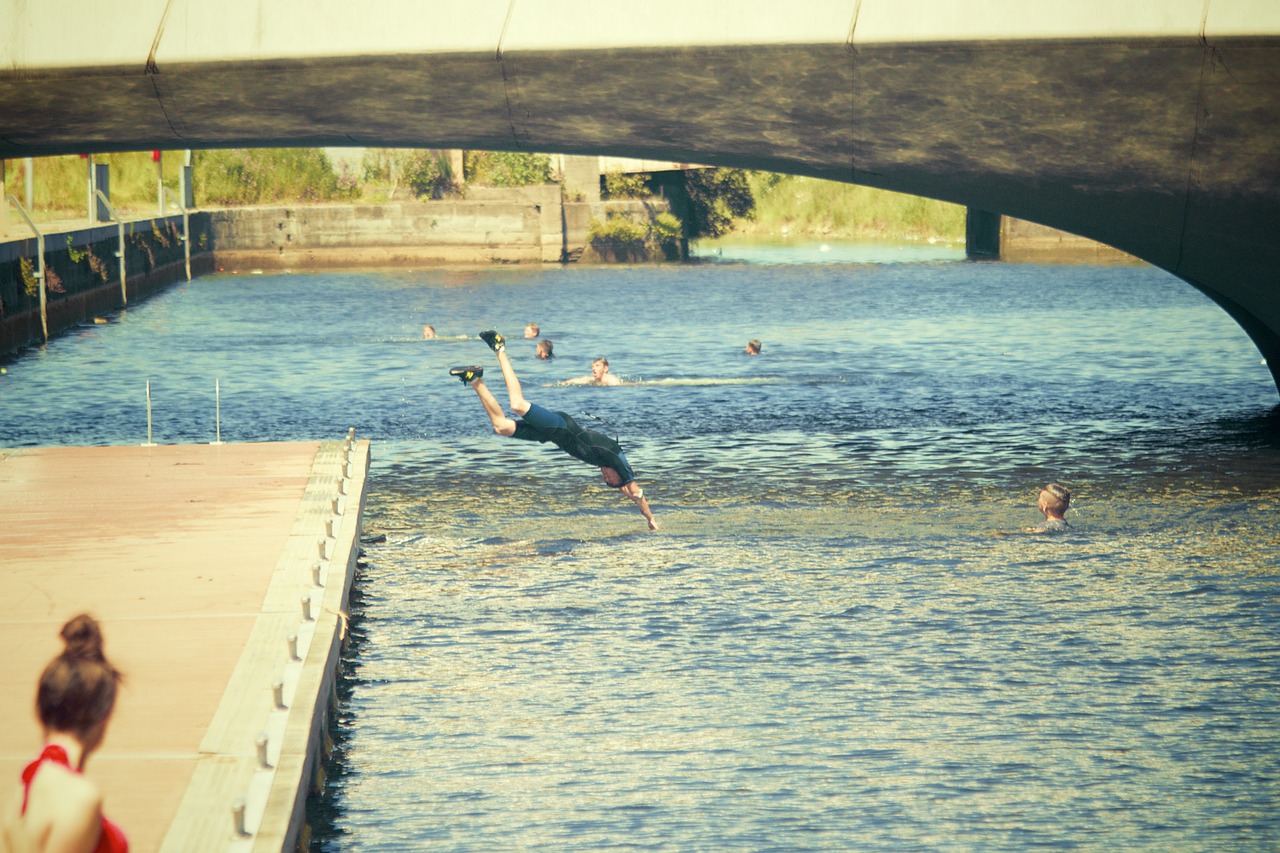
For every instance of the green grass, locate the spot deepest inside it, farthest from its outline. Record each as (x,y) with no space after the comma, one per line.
(231,178)
(60,185)
(785,205)
(246,176)
(808,207)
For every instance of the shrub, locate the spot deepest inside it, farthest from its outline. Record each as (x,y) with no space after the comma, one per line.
(716,198)
(424,174)
(666,227)
(621,185)
(506,168)
(261,175)
(619,237)
(622,238)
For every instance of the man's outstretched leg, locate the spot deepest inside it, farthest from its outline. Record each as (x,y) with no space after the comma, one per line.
(471,376)
(515,395)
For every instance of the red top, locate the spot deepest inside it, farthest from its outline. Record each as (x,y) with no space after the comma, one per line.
(111,839)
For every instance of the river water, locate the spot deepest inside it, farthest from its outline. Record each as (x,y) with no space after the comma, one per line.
(839,639)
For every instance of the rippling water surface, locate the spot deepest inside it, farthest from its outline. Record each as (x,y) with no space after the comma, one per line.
(838,640)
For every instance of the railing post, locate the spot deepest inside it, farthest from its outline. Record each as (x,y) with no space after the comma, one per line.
(92,212)
(44,295)
(187,199)
(186,225)
(44,300)
(159,158)
(106,203)
(101,189)
(124,291)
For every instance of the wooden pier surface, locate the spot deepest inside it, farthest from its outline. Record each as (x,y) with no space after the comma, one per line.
(195,558)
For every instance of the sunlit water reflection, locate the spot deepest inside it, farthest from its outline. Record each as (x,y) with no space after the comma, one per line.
(838,640)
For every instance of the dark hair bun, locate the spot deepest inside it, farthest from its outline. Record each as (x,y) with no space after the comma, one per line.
(83,637)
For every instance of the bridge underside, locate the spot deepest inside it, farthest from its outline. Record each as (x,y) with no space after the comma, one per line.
(1164,148)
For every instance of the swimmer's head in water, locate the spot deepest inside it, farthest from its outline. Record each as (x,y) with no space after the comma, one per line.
(1055,498)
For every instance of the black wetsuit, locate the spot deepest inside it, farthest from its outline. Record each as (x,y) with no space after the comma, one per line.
(594,448)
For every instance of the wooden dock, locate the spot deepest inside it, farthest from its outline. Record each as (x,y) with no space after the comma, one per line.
(197,560)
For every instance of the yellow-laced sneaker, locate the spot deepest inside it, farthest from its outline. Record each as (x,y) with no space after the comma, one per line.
(496,342)
(466,374)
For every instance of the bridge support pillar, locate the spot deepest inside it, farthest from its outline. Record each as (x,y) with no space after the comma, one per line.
(982,235)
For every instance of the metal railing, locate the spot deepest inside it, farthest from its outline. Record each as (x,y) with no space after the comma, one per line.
(124,290)
(186,227)
(44,299)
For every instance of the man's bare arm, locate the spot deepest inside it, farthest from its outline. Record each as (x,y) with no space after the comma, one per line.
(633,491)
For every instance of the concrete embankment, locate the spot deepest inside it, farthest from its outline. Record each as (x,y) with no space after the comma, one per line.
(508,226)
(1022,241)
(221,576)
(83,278)
(991,236)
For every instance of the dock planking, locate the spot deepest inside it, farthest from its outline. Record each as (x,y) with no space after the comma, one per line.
(196,559)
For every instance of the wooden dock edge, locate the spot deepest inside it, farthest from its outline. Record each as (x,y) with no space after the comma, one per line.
(264,746)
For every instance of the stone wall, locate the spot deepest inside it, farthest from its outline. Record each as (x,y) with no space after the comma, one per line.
(1030,242)
(523,225)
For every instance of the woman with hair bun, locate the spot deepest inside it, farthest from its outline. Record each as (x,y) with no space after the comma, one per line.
(57,808)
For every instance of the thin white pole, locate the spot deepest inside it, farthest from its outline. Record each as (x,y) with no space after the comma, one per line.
(149,443)
(217,410)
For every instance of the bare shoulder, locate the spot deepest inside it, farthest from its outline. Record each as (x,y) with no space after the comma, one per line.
(57,790)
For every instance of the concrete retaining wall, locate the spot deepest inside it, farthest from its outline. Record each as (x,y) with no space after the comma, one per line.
(524,225)
(384,235)
(991,236)
(1030,242)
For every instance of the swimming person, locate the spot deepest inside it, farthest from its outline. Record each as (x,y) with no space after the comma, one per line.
(1054,502)
(753,347)
(546,349)
(539,424)
(600,375)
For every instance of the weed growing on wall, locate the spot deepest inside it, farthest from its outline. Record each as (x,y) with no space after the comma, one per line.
(27,270)
(76,255)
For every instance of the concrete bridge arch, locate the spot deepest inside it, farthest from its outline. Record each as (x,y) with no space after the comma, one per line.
(1150,129)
